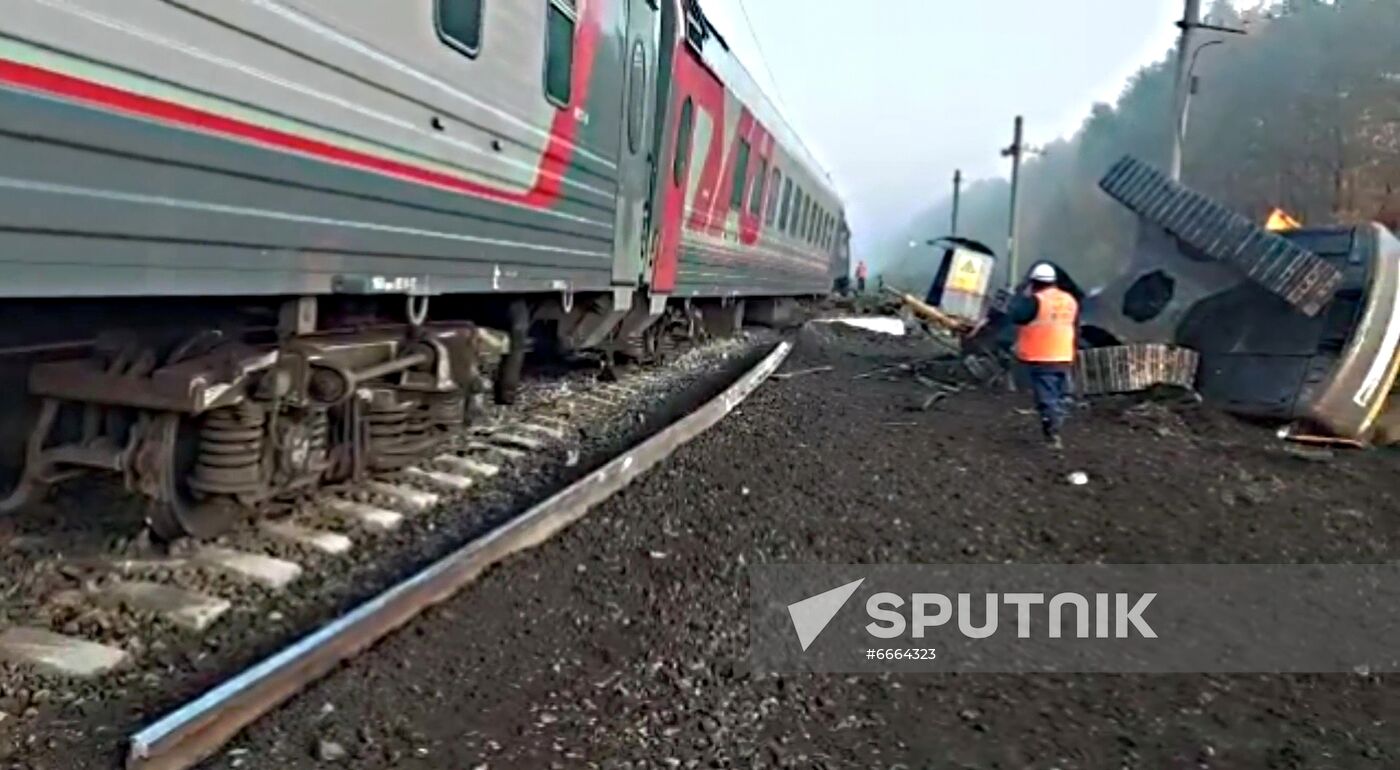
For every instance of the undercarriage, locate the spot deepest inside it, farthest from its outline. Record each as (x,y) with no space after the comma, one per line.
(214,427)
(210,410)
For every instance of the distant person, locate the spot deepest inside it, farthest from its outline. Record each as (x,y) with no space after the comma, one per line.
(861,273)
(1048,317)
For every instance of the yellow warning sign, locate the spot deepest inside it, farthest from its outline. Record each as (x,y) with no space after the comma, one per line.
(970,272)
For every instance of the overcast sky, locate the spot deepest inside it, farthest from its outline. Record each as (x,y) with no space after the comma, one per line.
(893,95)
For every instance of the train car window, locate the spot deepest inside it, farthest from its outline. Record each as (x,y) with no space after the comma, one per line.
(775,188)
(787,206)
(741,176)
(636,97)
(683,137)
(760,183)
(803,213)
(559,51)
(459,24)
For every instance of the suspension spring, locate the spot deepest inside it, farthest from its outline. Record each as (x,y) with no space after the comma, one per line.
(231,451)
(320,424)
(446,411)
(387,420)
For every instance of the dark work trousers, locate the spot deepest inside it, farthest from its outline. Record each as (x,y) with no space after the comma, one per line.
(1050,383)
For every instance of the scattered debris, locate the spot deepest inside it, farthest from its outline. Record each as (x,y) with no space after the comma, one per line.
(877,324)
(1287,433)
(1133,368)
(330,751)
(801,372)
(929,401)
(882,370)
(1078,478)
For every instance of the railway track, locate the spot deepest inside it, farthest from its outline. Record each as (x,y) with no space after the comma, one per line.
(102,623)
(198,729)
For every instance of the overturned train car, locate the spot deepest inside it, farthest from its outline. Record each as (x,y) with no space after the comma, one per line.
(250,247)
(1300,326)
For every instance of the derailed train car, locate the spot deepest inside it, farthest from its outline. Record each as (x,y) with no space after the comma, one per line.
(248,244)
(1302,325)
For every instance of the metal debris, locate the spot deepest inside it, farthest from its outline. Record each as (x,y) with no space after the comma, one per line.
(1281,266)
(1132,368)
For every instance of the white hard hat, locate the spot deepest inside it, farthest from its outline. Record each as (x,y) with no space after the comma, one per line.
(1043,273)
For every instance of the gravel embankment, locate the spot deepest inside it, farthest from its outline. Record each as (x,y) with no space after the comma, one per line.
(48,722)
(623,642)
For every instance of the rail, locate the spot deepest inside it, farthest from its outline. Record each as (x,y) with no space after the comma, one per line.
(199,729)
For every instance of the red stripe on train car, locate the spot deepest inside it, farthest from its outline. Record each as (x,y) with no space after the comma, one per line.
(548,181)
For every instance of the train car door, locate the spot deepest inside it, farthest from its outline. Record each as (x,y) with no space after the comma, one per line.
(637,155)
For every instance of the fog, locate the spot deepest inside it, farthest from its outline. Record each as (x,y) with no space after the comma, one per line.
(1302,113)
(894,95)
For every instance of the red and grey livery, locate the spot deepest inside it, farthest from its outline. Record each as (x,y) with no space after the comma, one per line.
(255,147)
(304,169)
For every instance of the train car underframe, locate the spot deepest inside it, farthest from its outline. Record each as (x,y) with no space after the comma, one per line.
(211,409)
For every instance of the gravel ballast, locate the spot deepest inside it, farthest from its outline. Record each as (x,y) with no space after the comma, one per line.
(624,641)
(48,721)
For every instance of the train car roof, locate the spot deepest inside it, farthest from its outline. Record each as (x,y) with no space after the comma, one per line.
(715,52)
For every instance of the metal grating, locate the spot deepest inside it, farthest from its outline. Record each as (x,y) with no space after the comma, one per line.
(1280,266)
(1130,368)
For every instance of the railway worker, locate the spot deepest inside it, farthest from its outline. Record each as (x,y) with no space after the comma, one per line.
(1047,317)
(860,277)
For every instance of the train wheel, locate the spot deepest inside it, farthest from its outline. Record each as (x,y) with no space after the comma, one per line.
(163,465)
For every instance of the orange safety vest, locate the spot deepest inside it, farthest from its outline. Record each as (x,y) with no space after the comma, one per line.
(1049,339)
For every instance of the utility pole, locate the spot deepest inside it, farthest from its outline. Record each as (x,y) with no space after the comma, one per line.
(1188,24)
(1015,151)
(957,198)
(1185,78)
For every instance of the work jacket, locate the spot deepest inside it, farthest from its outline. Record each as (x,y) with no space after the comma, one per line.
(1050,336)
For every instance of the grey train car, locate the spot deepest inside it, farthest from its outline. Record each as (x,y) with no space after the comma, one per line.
(250,246)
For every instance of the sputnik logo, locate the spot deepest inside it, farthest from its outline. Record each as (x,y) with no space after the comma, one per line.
(811,615)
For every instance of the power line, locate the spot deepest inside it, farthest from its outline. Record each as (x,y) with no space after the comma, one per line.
(783,109)
(762,57)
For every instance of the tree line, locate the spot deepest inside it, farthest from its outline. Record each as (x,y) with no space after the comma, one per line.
(1303,113)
